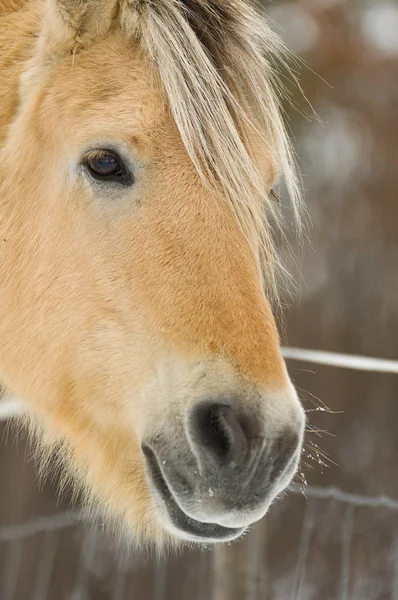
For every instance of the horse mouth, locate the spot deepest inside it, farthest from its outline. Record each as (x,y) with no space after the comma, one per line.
(182,524)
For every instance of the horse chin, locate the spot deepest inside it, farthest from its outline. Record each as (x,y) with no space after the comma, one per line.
(173,517)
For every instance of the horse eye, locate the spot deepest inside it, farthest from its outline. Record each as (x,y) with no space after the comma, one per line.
(107,166)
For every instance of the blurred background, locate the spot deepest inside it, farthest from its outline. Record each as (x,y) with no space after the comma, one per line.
(335,534)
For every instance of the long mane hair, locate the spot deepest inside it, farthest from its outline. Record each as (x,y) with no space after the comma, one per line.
(217,63)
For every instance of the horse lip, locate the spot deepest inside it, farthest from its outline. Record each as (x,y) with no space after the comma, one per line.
(193,530)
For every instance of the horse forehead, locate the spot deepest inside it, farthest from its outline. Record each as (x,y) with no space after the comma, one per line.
(113,79)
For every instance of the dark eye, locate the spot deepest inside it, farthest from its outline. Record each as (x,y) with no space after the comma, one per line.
(106,165)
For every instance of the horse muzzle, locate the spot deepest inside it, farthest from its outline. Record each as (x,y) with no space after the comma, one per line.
(220,470)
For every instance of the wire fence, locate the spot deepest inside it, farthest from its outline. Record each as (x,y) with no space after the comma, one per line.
(317,501)
(10,533)
(9,407)
(344,361)
(51,529)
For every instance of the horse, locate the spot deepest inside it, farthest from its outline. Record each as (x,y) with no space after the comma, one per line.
(140,145)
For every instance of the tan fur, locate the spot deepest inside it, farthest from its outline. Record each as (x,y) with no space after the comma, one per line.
(99,296)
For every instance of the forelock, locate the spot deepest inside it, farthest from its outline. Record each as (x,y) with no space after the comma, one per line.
(216,63)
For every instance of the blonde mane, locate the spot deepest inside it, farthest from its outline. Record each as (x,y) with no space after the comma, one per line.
(216,62)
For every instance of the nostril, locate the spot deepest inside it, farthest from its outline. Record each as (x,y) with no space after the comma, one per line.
(217,430)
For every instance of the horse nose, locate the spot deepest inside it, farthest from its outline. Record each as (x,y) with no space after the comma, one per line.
(243,457)
(223,438)
(225,463)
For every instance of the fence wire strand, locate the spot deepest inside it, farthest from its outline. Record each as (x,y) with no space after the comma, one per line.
(308,526)
(343,361)
(333,493)
(45,567)
(348,527)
